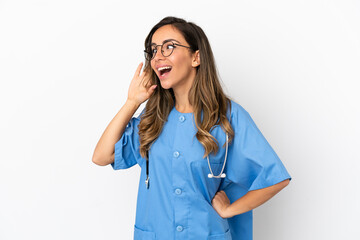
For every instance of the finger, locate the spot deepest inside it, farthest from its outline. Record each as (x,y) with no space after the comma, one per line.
(145,72)
(148,83)
(152,88)
(137,72)
(144,81)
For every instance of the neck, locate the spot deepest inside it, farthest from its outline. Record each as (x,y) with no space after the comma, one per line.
(181,93)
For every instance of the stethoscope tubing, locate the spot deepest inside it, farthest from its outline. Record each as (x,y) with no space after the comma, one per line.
(221,175)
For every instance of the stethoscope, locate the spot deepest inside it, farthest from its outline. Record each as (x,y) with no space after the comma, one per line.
(210,175)
(221,175)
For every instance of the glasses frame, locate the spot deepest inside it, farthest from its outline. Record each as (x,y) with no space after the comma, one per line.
(162,52)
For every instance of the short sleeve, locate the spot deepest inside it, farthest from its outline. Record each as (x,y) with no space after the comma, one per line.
(127,149)
(252,162)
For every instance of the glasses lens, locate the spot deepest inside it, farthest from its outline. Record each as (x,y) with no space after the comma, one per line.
(148,53)
(147,56)
(167,49)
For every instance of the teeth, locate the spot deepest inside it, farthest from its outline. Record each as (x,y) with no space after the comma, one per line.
(162,68)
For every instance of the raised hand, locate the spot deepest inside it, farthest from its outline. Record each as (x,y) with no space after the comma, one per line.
(139,92)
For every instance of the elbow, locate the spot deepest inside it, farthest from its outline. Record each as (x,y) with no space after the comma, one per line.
(99,161)
(285,183)
(280,186)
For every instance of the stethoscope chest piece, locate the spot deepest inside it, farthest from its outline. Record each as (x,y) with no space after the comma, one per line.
(147,182)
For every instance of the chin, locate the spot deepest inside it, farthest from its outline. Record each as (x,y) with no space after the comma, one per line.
(165,84)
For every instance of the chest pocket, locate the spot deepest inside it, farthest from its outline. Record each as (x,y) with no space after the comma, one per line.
(224,236)
(220,136)
(199,165)
(140,234)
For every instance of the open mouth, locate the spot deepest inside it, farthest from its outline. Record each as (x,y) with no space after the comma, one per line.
(164,71)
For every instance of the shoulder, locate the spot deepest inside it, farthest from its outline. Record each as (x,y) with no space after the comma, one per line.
(240,117)
(238,112)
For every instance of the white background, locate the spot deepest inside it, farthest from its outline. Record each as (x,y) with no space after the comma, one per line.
(65,68)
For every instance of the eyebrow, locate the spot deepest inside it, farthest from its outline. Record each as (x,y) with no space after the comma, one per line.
(167,40)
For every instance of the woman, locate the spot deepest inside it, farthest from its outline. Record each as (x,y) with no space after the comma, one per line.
(190,188)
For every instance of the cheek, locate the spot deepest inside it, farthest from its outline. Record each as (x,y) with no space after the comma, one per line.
(152,64)
(181,62)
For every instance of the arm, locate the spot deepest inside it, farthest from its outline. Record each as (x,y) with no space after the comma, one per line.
(104,150)
(249,201)
(139,91)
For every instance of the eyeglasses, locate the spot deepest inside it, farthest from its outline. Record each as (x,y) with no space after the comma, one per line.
(166,50)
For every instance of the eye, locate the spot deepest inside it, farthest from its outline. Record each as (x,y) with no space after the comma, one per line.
(170,46)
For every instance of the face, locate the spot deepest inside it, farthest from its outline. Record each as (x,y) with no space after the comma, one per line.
(182,61)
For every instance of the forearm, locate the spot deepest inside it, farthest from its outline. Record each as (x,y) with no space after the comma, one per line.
(253,199)
(104,150)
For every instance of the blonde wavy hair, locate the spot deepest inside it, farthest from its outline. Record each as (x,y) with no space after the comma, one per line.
(205,95)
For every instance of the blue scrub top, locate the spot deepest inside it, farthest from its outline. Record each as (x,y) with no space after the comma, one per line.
(177,205)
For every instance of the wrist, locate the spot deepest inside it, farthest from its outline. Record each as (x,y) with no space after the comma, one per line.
(132,103)
(228,212)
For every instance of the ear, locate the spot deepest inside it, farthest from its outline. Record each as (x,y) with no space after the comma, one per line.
(196,59)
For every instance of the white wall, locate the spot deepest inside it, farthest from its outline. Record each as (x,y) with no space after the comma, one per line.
(65,67)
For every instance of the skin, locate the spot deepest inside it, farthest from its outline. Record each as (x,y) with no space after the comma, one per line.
(183,64)
(181,78)
(249,201)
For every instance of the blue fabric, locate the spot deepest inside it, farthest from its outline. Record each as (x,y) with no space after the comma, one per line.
(178,203)
(127,148)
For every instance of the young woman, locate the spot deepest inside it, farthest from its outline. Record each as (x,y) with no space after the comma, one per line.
(204,163)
